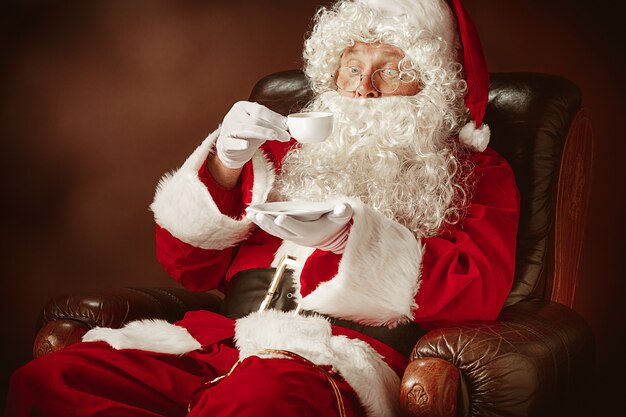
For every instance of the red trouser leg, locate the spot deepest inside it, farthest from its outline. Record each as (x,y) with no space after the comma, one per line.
(275,387)
(92,379)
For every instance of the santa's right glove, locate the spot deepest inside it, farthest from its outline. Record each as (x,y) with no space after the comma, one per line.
(329,232)
(245,127)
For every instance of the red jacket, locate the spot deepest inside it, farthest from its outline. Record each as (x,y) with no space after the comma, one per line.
(385,275)
(465,273)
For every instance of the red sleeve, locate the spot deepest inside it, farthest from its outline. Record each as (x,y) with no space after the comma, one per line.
(195,268)
(230,202)
(467,271)
(200,269)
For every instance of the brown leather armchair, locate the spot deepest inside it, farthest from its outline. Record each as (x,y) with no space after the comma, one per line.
(536,359)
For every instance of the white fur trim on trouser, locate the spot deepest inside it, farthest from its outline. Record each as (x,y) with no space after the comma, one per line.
(184,207)
(376,384)
(149,335)
(378,275)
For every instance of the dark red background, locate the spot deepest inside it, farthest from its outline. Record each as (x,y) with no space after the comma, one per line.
(100,98)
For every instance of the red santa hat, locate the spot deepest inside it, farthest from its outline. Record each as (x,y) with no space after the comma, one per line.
(431,15)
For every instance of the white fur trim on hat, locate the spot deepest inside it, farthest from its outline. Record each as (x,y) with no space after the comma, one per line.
(184,207)
(375,383)
(149,335)
(477,139)
(378,276)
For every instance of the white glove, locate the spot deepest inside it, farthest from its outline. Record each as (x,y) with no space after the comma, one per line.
(329,232)
(245,127)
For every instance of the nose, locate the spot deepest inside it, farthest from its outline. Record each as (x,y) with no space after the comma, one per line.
(366,88)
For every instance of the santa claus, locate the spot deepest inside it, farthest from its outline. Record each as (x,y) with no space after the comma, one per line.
(420,230)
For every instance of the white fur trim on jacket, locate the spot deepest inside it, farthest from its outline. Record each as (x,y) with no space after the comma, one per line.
(376,384)
(184,207)
(378,275)
(149,335)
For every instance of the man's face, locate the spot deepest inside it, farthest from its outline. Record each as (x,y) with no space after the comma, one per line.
(370,70)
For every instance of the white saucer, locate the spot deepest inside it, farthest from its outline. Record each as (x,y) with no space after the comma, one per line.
(301,210)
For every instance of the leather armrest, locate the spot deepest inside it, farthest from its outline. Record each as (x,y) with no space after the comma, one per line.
(66,318)
(532,361)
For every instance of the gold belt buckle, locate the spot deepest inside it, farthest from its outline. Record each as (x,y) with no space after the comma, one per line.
(286,261)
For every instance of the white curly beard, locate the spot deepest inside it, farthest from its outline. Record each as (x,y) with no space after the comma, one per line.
(396,154)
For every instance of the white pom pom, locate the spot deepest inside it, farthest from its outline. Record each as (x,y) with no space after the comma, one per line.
(477,139)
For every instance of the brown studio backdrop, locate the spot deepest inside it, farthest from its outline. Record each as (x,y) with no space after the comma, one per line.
(100,98)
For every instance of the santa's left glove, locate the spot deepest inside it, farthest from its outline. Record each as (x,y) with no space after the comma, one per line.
(329,232)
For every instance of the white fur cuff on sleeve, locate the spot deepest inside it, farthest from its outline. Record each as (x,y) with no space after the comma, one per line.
(184,207)
(378,275)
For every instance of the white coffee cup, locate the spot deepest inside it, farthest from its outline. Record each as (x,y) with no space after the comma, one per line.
(310,127)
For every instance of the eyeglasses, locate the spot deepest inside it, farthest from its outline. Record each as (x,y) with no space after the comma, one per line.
(384,80)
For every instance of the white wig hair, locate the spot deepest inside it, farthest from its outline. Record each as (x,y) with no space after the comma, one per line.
(415,26)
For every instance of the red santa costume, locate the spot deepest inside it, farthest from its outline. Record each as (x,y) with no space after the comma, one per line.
(431,240)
